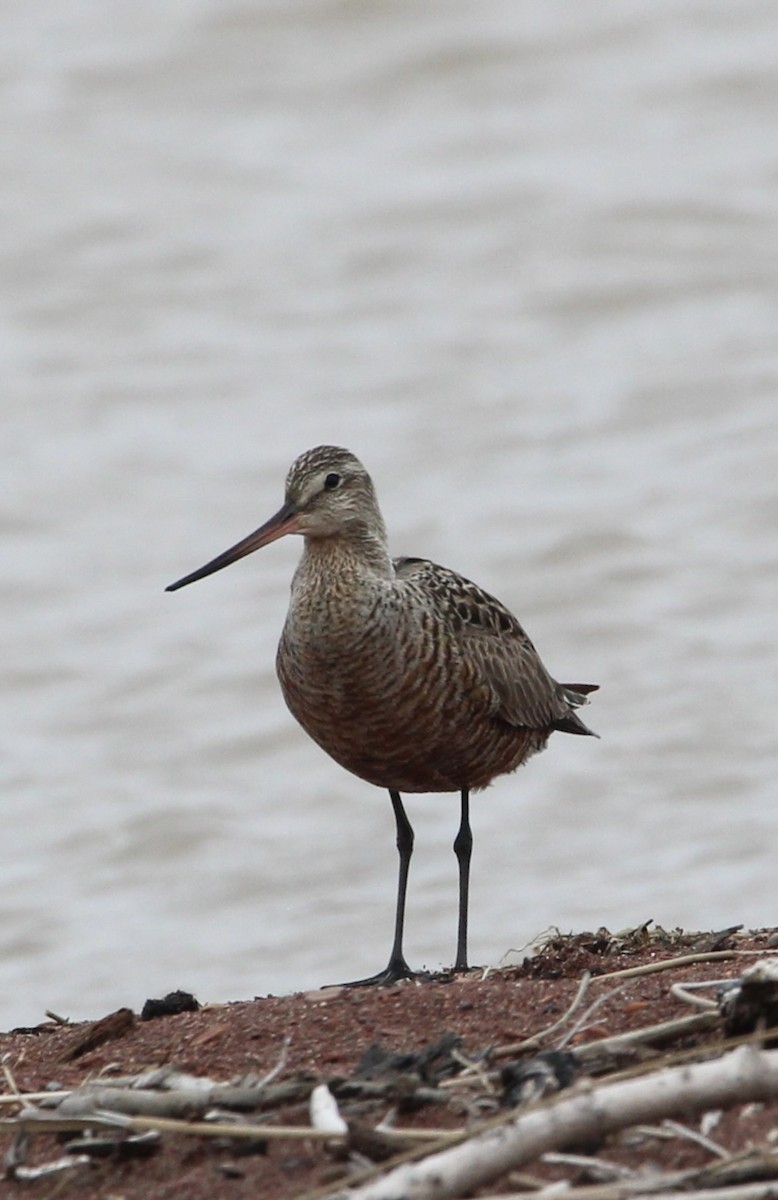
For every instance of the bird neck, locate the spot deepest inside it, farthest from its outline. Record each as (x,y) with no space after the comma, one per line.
(356,550)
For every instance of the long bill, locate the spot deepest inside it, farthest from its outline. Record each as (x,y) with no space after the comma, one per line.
(285,521)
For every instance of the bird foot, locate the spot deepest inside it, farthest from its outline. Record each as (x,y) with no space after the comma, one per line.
(395,969)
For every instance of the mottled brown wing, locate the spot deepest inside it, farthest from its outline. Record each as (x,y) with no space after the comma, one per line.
(524,693)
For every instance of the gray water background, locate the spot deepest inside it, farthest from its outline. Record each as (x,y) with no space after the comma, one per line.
(523,259)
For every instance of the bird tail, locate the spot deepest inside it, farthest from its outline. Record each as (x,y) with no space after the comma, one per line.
(575,695)
(579,691)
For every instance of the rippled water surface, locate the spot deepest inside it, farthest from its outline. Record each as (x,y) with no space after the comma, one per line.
(520,259)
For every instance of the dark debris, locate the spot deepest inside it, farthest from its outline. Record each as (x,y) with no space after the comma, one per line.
(430,1065)
(169,1006)
(542,1075)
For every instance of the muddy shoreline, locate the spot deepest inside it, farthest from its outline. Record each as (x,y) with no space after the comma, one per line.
(441,1053)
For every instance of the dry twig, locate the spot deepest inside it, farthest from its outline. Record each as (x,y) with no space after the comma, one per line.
(742,1075)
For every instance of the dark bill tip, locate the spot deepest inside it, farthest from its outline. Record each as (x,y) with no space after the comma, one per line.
(284,521)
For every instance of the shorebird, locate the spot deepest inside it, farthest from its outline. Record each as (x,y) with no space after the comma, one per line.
(407,674)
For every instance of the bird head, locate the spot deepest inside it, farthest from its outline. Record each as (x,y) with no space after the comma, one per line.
(328,494)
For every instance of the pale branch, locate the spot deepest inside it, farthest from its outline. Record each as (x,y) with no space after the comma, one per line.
(587,1114)
(537,1040)
(670,964)
(36,1120)
(764,1190)
(649,1035)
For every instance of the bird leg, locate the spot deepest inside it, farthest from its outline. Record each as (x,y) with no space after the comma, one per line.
(463,848)
(397,967)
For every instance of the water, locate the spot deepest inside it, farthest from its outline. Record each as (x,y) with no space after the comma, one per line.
(519,260)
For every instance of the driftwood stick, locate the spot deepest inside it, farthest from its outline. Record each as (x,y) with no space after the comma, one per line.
(625,1191)
(35,1120)
(194,1100)
(684,960)
(649,1035)
(181,1102)
(180,1105)
(538,1039)
(9,1098)
(588,1114)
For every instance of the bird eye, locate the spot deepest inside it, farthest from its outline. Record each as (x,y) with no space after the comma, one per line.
(332,481)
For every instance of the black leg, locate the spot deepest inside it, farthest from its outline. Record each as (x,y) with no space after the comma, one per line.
(463,848)
(397,967)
